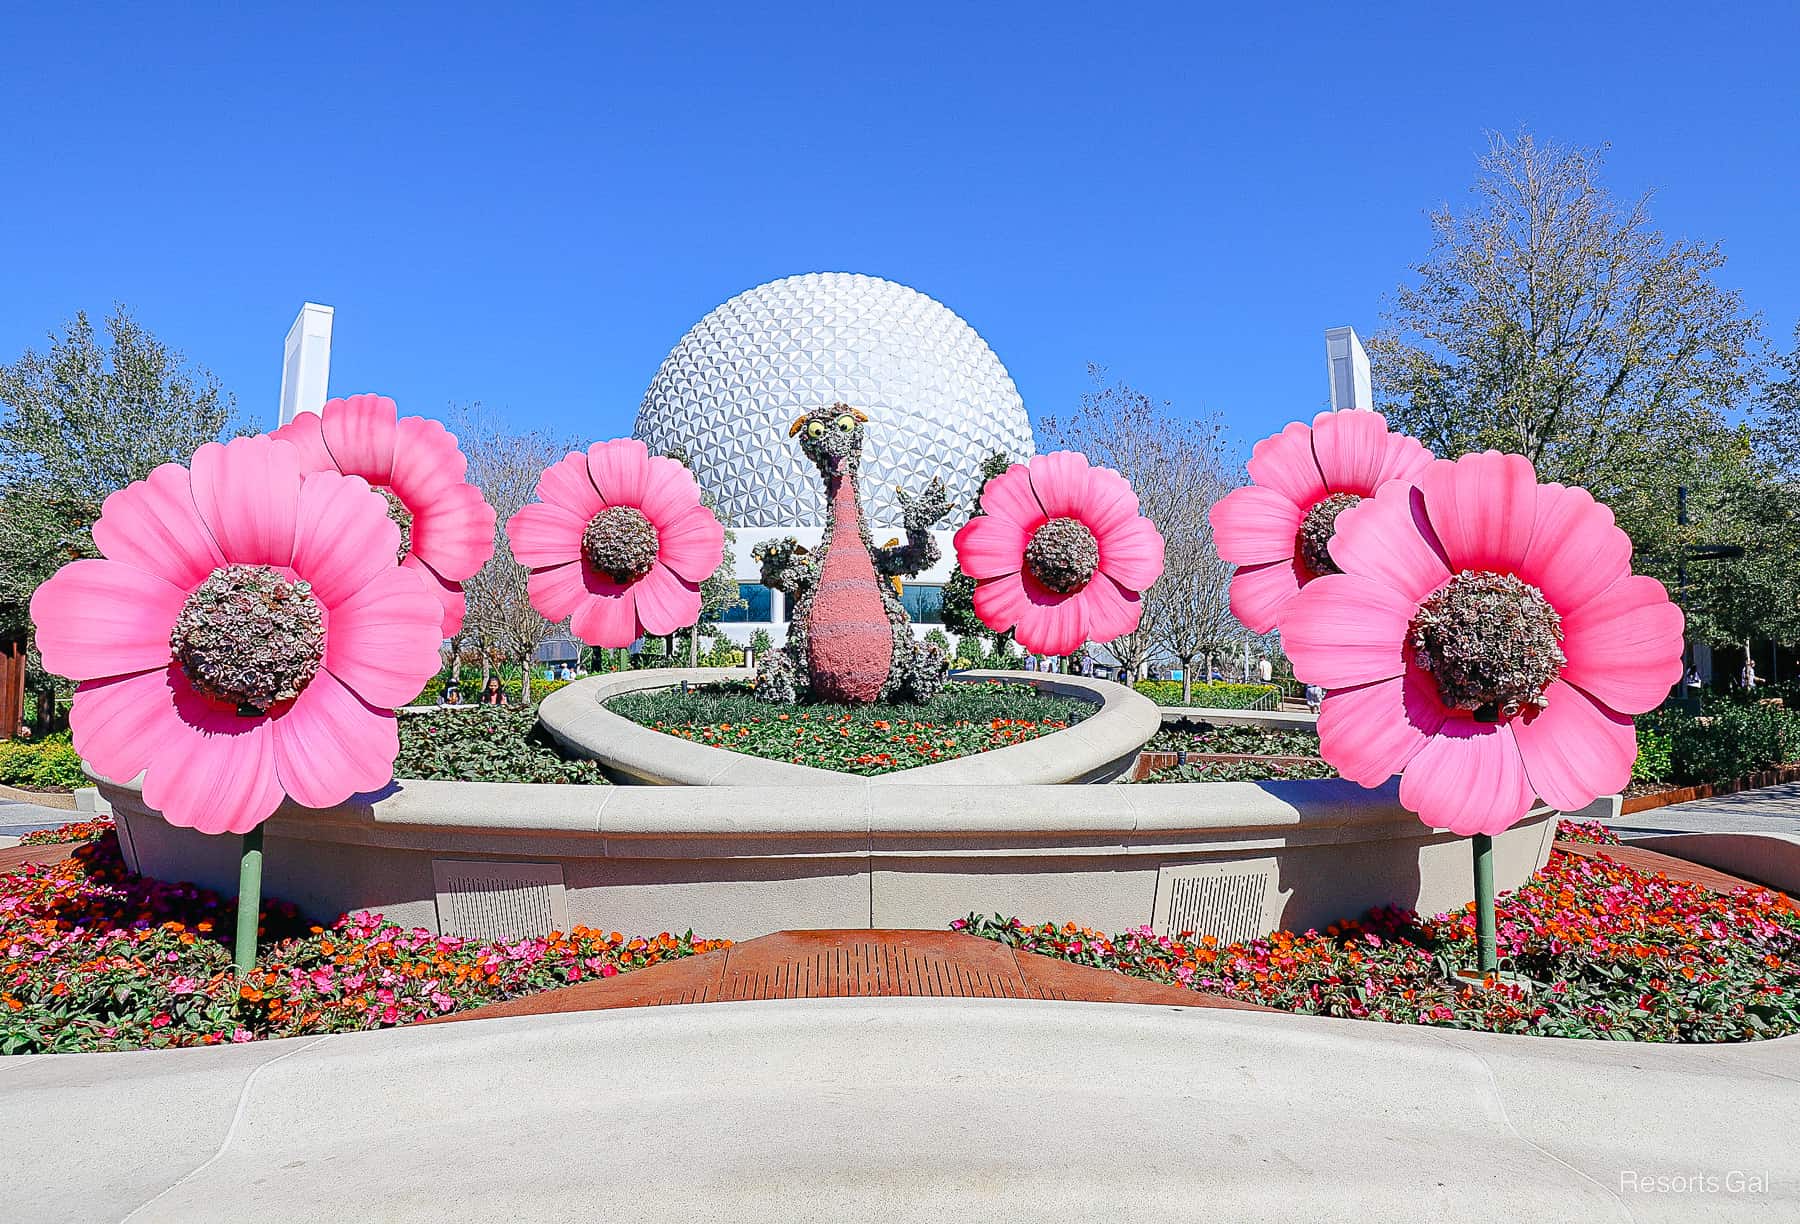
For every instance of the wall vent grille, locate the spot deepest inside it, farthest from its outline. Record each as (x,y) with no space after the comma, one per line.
(1228,904)
(499,901)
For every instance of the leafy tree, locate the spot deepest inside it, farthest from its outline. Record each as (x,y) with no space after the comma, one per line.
(719,594)
(1553,319)
(959,592)
(91,415)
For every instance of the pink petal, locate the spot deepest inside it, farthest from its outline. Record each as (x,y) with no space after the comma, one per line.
(1260,594)
(607,619)
(1253,526)
(1576,551)
(1284,462)
(1060,481)
(1110,609)
(1575,750)
(1468,779)
(247,492)
(1008,496)
(543,534)
(120,725)
(670,491)
(987,546)
(449,594)
(427,462)
(1350,449)
(557,590)
(1387,538)
(306,434)
(1406,458)
(1110,500)
(1346,630)
(620,470)
(692,544)
(1482,508)
(454,532)
(383,641)
(216,771)
(1132,554)
(360,433)
(153,525)
(665,602)
(329,745)
(104,618)
(566,483)
(344,537)
(1000,602)
(1051,624)
(1370,733)
(1624,645)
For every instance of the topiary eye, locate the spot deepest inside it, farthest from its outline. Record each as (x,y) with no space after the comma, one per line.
(816,429)
(846,423)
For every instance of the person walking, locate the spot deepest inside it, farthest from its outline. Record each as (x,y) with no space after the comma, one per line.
(1747,677)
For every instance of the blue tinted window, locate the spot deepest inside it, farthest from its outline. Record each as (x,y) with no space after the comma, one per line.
(924,602)
(755,606)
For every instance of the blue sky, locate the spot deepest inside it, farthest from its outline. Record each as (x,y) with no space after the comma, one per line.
(529,208)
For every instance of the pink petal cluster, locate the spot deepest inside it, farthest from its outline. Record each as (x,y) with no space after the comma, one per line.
(420,463)
(107,623)
(1256,527)
(546,538)
(1383,714)
(1016,505)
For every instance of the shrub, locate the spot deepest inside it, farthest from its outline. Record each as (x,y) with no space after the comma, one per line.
(1653,762)
(485,745)
(47,764)
(1725,743)
(1213,695)
(471,687)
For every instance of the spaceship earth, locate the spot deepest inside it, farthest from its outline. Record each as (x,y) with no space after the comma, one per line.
(938,400)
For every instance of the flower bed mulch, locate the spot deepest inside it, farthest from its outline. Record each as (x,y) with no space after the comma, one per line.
(1617,953)
(965,719)
(93,957)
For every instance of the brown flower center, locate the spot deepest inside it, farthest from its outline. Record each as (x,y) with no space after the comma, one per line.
(1316,530)
(250,637)
(1063,555)
(1491,641)
(402,518)
(621,543)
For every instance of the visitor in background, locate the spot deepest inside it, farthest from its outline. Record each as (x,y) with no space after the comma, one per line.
(1747,677)
(1265,670)
(450,696)
(1691,682)
(1315,696)
(491,694)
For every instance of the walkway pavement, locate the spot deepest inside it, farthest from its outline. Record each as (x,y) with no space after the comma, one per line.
(903,1110)
(1768,809)
(18,817)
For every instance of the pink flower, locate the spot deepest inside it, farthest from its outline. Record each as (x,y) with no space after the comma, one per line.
(246,635)
(1060,554)
(619,542)
(1487,641)
(449,525)
(1276,529)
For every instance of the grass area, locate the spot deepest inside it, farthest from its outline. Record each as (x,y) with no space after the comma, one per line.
(93,957)
(966,718)
(1616,954)
(485,744)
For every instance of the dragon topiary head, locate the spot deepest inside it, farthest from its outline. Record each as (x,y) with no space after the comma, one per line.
(832,438)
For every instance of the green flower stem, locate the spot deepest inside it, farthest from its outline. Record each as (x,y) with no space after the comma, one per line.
(250,866)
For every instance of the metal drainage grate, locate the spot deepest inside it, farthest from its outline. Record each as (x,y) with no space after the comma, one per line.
(499,901)
(1230,904)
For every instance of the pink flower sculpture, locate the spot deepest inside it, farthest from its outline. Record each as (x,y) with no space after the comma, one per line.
(247,635)
(446,526)
(1060,554)
(1277,529)
(1487,641)
(619,542)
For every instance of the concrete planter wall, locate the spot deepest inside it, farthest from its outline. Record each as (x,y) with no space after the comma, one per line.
(1099,748)
(1233,859)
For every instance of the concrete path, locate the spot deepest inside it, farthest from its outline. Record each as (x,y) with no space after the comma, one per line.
(902,1110)
(1768,809)
(18,818)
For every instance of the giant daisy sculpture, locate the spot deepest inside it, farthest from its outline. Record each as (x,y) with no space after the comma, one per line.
(1277,529)
(618,543)
(446,526)
(244,636)
(1485,639)
(1060,554)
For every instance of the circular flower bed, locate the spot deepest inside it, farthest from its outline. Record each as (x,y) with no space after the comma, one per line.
(93,957)
(861,739)
(1617,954)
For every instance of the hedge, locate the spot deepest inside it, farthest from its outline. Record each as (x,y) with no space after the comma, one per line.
(1218,696)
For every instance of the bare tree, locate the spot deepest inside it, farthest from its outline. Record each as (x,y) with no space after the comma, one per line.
(1178,466)
(504,464)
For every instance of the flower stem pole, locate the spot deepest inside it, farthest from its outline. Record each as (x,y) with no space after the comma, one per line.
(1485,942)
(250,865)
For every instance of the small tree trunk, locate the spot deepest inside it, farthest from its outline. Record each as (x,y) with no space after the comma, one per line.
(1187,681)
(694,646)
(525,679)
